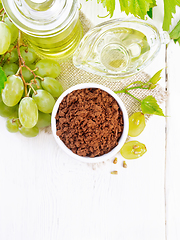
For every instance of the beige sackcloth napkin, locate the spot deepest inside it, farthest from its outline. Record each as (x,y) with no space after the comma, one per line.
(70,76)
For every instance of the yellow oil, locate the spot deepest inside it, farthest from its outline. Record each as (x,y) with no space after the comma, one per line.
(61,45)
(51,27)
(125,48)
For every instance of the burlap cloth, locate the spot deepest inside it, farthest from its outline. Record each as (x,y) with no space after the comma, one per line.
(70,76)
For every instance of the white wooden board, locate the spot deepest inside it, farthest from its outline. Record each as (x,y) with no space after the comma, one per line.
(46,195)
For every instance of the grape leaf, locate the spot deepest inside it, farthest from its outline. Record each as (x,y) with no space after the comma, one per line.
(150,11)
(153,4)
(3,78)
(156,77)
(138,8)
(175,33)
(169,9)
(178,40)
(149,105)
(109,4)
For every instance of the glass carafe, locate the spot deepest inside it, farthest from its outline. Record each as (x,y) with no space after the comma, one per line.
(51,27)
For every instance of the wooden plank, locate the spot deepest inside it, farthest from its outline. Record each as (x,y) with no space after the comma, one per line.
(173,131)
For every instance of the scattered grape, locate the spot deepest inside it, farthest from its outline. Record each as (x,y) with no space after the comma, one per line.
(5,38)
(27,74)
(44,120)
(53,86)
(13,90)
(29,132)
(6,111)
(12,125)
(28,54)
(136,124)
(10,68)
(28,112)
(13,29)
(44,101)
(48,68)
(133,149)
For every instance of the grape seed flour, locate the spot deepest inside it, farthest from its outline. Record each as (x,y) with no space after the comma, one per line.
(89,121)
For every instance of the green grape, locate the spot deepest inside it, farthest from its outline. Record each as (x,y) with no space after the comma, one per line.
(48,68)
(5,38)
(27,74)
(44,120)
(44,101)
(12,125)
(6,111)
(136,124)
(11,56)
(10,68)
(13,90)
(133,149)
(28,54)
(13,29)
(29,132)
(53,86)
(28,112)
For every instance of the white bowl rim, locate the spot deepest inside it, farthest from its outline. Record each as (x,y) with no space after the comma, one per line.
(122,139)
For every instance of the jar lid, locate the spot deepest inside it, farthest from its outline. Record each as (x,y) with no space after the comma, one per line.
(40,16)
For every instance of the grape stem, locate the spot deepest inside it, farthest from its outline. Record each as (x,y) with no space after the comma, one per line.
(3,14)
(23,64)
(141,85)
(31,87)
(103,16)
(2,9)
(9,51)
(133,96)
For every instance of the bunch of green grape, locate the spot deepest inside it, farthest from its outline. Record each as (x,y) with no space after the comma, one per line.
(27,114)
(26,111)
(134,149)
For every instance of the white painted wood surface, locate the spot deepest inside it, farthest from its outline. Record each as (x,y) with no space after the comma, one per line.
(46,195)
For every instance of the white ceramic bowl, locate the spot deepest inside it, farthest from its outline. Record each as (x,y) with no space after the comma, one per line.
(121,140)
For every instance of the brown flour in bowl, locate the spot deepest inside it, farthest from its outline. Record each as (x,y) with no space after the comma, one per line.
(89,121)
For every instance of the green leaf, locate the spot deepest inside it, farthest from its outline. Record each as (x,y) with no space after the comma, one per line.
(3,78)
(178,40)
(175,33)
(149,105)
(156,77)
(109,5)
(153,4)
(138,8)
(178,3)
(149,13)
(169,9)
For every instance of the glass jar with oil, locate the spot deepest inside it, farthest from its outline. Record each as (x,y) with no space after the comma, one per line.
(51,27)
